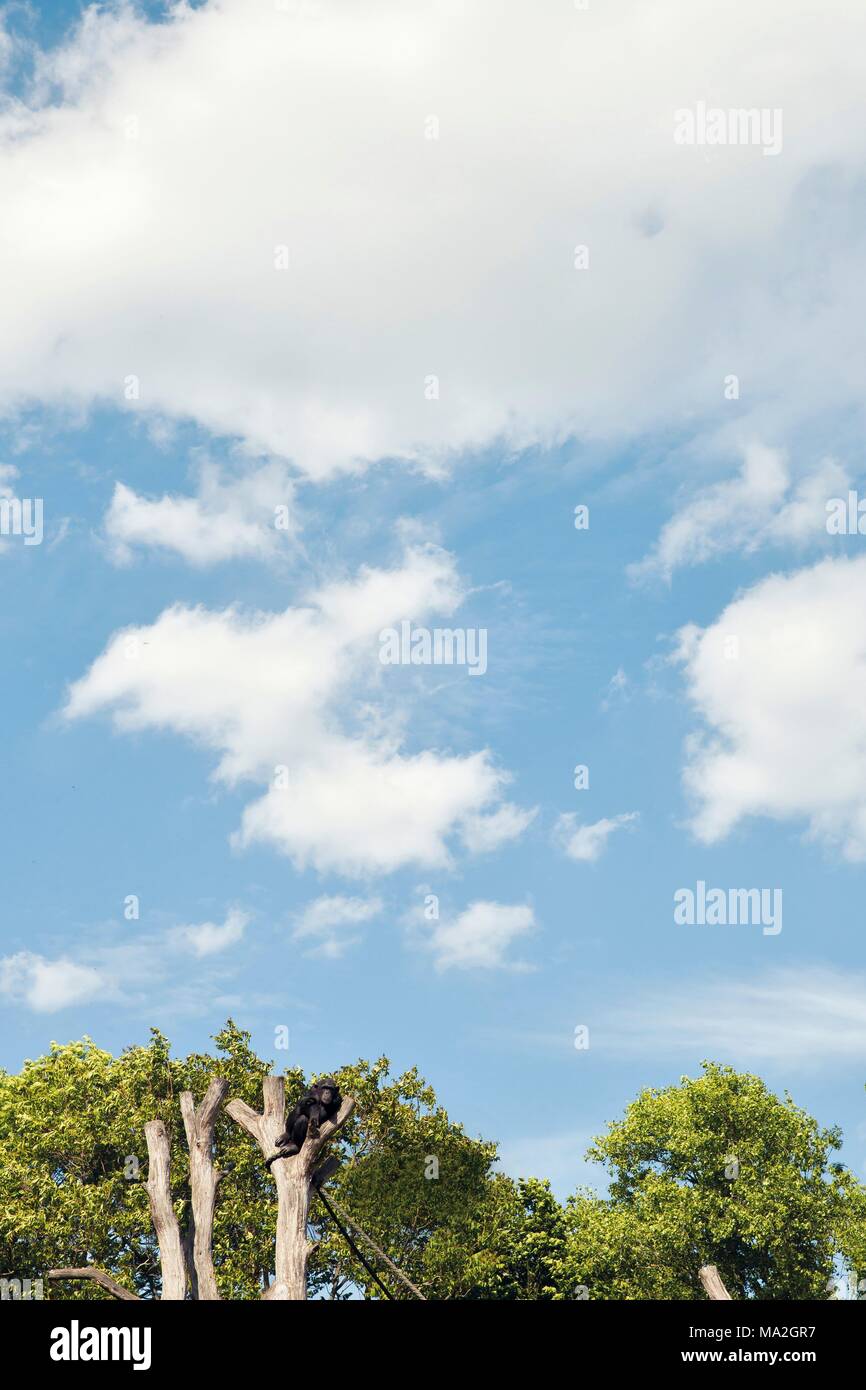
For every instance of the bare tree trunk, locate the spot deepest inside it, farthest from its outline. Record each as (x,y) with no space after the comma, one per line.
(292,1177)
(713,1284)
(189,1258)
(188,1240)
(293,1207)
(162,1212)
(204,1180)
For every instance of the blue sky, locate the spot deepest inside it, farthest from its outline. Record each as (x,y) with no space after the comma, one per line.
(147,253)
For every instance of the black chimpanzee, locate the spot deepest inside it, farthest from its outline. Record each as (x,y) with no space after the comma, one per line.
(321,1103)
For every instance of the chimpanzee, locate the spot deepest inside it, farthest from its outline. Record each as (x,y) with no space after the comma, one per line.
(321,1103)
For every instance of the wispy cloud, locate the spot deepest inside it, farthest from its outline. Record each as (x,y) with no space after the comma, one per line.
(138,971)
(803,1017)
(248,516)
(484,834)
(760,506)
(47,986)
(329,924)
(587,843)
(479,938)
(209,938)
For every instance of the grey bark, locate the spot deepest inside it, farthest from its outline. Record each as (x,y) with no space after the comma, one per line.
(292,1177)
(204,1179)
(713,1284)
(162,1212)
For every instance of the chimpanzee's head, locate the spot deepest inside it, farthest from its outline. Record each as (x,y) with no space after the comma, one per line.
(327,1090)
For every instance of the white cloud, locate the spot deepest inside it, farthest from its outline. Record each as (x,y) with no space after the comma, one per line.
(799,1016)
(46,986)
(328,922)
(618,691)
(479,937)
(140,972)
(483,834)
(779,681)
(208,938)
(229,518)
(277,696)
(759,507)
(174,178)
(586,843)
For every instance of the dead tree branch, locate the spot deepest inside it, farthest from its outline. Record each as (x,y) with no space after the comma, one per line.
(203,1180)
(99,1277)
(162,1212)
(293,1178)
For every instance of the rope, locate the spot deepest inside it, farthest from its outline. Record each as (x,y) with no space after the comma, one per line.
(416,1293)
(351,1244)
(381,1253)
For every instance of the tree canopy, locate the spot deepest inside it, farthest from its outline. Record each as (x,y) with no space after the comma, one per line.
(71,1190)
(713,1170)
(716,1170)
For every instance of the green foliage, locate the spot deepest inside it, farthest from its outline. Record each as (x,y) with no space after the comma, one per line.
(70,1121)
(512,1246)
(428,1195)
(424,1190)
(716,1170)
(410,1176)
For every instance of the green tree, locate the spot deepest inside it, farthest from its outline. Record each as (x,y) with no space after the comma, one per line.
(716,1170)
(72,1194)
(74,1162)
(518,1239)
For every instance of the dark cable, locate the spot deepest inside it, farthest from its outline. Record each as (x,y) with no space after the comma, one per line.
(351,1244)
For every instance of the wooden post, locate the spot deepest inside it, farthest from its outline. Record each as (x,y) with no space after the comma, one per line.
(203,1180)
(292,1177)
